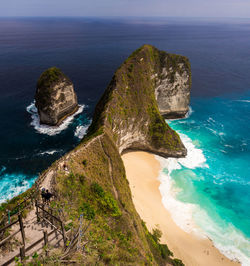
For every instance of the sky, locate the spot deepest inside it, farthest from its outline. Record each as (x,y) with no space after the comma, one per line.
(140,8)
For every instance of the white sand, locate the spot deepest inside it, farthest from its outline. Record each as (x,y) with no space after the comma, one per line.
(142,170)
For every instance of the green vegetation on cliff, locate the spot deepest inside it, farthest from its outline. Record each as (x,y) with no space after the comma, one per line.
(129,106)
(45,85)
(95,185)
(97,188)
(49,77)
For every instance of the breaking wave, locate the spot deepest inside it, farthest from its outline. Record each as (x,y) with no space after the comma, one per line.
(80,131)
(169,191)
(50,130)
(13,184)
(48,152)
(178,173)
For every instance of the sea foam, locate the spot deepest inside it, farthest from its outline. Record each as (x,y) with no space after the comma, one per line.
(13,185)
(48,152)
(50,130)
(191,217)
(80,131)
(244,101)
(190,111)
(181,212)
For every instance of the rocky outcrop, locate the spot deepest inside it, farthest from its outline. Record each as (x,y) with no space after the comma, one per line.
(55,97)
(91,180)
(149,84)
(173,84)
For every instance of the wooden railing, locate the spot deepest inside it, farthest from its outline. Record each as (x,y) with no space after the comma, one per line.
(47,216)
(13,234)
(28,201)
(42,215)
(23,249)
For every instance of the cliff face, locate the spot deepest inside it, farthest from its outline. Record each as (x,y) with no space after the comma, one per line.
(55,97)
(91,179)
(126,118)
(148,84)
(173,84)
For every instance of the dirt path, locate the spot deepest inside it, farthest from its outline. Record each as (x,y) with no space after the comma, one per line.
(35,230)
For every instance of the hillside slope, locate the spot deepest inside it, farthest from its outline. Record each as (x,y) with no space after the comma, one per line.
(128,110)
(126,118)
(91,179)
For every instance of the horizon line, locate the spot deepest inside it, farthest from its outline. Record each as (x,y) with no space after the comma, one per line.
(113,16)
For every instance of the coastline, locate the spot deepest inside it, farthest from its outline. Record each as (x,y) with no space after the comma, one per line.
(142,170)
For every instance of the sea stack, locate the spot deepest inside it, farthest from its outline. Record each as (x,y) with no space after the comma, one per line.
(55,97)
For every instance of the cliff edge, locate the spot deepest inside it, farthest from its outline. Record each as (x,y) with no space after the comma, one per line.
(55,97)
(90,181)
(149,84)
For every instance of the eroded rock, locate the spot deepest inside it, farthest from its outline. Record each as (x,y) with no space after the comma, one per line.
(55,97)
(150,84)
(173,84)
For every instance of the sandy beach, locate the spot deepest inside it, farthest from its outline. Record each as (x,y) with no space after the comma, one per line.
(142,170)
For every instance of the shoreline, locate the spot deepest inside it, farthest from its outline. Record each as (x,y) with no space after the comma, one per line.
(142,171)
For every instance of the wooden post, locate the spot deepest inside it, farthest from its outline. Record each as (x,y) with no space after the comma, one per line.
(43,213)
(51,218)
(37,213)
(63,234)
(45,237)
(21,228)
(22,252)
(46,241)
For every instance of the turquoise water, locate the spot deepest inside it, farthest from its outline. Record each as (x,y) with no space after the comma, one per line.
(209,190)
(210,187)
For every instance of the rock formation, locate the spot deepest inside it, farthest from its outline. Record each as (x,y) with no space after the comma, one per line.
(173,84)
(55,97)
(149,84)
(127,117)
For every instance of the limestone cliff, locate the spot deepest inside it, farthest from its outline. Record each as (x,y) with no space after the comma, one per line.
(173,84)
(55,97)
(91,180)
(126,118)
(149,83)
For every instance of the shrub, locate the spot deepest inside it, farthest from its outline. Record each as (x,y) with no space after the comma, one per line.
(88,211)
(177,262)
(82,179)
(165,252)
(98,190)
(110,204)
(157,234)
(106,201)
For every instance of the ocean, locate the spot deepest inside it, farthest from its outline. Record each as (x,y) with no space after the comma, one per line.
(208,192)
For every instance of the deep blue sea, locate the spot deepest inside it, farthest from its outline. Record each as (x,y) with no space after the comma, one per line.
(211,187)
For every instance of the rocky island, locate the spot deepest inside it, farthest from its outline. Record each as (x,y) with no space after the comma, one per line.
(55,97)
(91,179)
